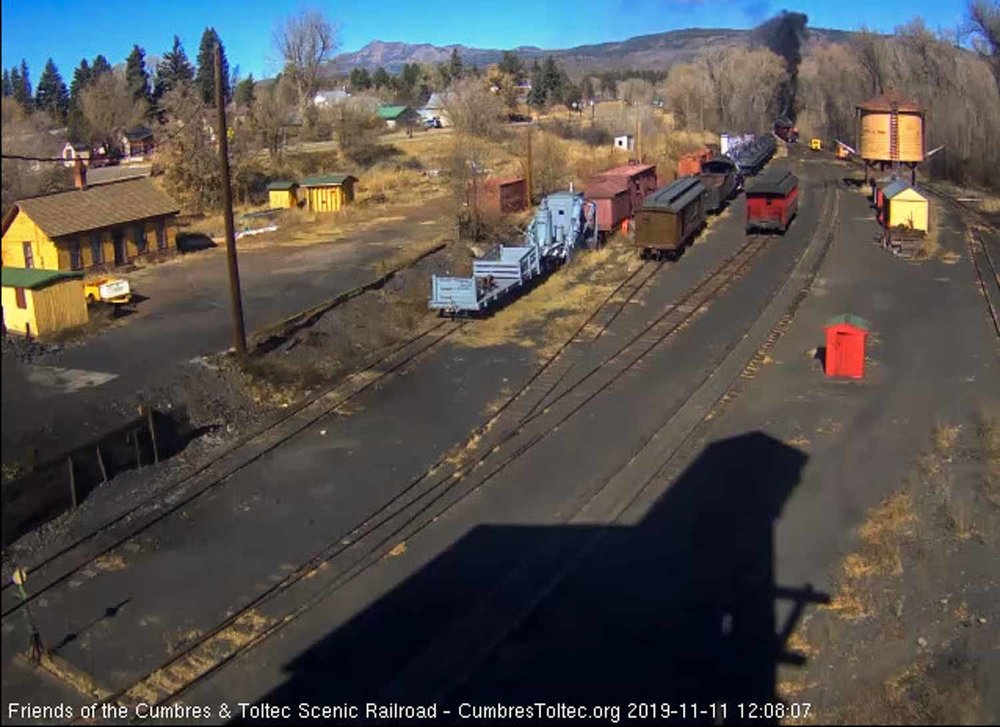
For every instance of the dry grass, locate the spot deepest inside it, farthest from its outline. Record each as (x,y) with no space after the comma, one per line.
(546,316)
(878,555)
(944,437)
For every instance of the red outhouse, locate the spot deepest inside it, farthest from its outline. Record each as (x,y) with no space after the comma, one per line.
(845,346)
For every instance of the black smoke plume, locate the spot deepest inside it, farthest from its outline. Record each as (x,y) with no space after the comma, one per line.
(784,34)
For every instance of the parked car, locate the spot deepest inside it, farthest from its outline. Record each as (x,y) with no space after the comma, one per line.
(434,123)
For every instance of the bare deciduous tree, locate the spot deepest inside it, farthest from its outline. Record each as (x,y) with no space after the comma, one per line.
(635,91)
(304,42)
(110,108)
(26,133)
(272,114)
(473,109)
(870,51)
(984,18)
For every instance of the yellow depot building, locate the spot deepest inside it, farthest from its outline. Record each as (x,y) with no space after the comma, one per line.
(41,302)
(328,192)
(92,228)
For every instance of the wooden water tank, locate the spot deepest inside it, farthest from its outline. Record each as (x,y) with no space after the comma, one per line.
(890,129)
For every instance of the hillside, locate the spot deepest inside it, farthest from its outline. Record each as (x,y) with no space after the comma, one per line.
(656,50)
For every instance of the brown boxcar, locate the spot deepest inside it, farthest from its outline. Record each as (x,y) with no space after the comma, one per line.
(611,195)
(639,178)
(670,217)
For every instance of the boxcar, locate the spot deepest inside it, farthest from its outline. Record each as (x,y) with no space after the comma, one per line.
(772,201)
(719,177)
(611,195)
(619,193)
(670,217)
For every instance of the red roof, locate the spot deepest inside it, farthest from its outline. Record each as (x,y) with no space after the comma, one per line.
(606,186)
(503,181)
(886,100)
(627,170)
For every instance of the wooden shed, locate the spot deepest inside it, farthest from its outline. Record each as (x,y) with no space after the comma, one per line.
(41,302)
(283,194)
(503,195)
(905,207)
(328,192)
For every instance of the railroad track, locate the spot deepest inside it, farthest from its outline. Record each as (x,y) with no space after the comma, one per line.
(983,262)
(309,411)
(594,325)
(430,495)
(486,625)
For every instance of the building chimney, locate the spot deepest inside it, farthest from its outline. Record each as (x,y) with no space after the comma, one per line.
(80,174)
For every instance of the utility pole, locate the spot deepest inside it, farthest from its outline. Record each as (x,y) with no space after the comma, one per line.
(235,297)
(529,175)
(638,134)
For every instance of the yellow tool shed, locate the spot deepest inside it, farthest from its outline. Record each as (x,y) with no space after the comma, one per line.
(40,302)
(282,194)
(906,206)
(329,192)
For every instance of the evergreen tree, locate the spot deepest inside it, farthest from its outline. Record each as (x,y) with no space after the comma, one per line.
(81,77)
(100,66)
(245,91)
(51,94)
(455,65)
(7,88)
(360,79)
(381,78)
(511,64)
(173,70)
(21,85)
(205,77)
(76,125)
(552,79)
(537,95)
(136,75)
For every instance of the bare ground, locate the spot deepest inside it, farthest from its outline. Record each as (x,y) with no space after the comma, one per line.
(910,636)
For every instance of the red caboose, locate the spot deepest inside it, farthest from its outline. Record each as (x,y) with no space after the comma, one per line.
(772,201)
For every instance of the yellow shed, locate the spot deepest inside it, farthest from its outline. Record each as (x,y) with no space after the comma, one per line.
(329,192)
(41,302)
(282,194)
(907,207)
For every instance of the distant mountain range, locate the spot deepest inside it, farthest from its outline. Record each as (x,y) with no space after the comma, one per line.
(655,51)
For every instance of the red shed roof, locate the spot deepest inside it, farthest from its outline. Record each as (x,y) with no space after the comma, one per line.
(503,181)
(627,170)
(602,186)
(886,100)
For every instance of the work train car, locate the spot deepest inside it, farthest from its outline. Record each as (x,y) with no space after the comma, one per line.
(772,201)
(618,194)
(720,179)
(670,217)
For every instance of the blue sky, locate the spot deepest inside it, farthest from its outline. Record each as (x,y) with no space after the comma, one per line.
(68,30)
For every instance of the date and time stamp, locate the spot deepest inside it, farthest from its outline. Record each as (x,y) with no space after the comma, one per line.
(434,713)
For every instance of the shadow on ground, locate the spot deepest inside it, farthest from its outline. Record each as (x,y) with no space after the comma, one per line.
(681,607)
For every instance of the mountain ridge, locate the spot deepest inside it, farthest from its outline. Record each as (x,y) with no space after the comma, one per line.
(641,52)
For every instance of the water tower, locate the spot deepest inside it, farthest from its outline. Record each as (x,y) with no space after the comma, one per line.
(890,131)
